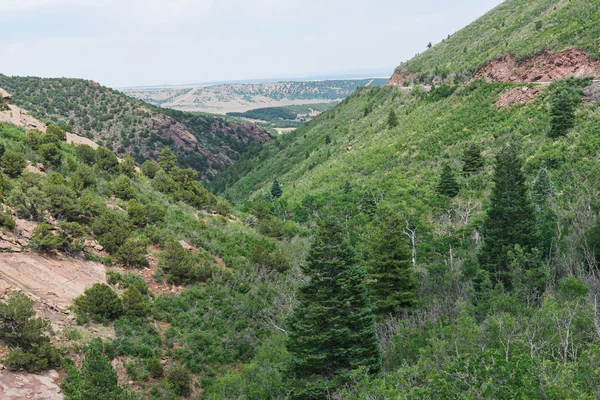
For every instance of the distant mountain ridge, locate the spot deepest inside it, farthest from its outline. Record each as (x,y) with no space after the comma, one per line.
(240,97)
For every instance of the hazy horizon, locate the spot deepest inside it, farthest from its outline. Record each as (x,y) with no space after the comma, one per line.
(133,43)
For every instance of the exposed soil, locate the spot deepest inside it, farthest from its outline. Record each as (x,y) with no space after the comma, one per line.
(517,96)
(547,67)
(397,79)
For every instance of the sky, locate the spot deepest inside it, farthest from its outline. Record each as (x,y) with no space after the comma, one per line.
(122,43)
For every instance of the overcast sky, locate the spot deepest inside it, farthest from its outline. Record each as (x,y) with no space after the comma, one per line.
(151,42)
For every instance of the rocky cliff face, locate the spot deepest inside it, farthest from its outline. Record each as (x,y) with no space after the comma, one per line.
(15,115)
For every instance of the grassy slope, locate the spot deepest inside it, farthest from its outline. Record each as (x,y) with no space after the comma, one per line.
(428,132)
(510,28)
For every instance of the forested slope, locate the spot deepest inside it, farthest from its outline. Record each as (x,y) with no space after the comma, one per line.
(128,126)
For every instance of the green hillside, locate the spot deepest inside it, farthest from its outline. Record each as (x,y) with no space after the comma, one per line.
(518,27)
(205,143)
(496,200)
(404,244)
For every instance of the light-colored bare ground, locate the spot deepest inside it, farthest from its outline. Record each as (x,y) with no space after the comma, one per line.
(20,386)
(76,139)
(20,117)
(52,280)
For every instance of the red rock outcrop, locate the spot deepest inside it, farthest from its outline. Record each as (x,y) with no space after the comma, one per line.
(547,67)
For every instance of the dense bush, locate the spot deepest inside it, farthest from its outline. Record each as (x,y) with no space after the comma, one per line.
(136,337)
(13,163)
(181,265)
(132,253)
(100,303)
(112,229)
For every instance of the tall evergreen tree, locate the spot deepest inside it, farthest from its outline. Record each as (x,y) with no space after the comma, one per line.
(392,120)
(448,185)
(332,328)
(391,281)
(473,162)
(562,112)
(510,217)
(276,191)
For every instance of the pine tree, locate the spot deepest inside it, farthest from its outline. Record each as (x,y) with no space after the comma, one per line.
(391,282)
(167,160)
(562,111)
(276,191)
(332,328)
(327,139)
(510,218)
(448,185)
(392,120)
(542,188)
(368,205)
(473,162)
(97,378)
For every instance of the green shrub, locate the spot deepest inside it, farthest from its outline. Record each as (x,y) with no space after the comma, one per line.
(181,265)
(179,377)
(106,160)
(127,166)
(26,336)
(13,163)
(127,280)
(136,337)
(45,238)
(155,368)
(100,303)
(111,229)
(134,303)
(57,132)
(86,154)
(267,256)
(136,213)
(123,189)
(149,168)
(6,219)
(132,253)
